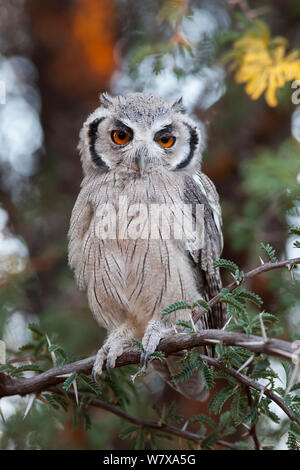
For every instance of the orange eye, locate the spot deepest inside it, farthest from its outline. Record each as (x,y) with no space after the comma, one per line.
(120,137)
(166,141)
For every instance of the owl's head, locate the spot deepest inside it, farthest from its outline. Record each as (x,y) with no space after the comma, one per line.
(139,133)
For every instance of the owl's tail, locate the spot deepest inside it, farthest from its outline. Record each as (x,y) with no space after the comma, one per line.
(193,388)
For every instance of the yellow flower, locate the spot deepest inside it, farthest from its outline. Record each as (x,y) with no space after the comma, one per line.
(261,63)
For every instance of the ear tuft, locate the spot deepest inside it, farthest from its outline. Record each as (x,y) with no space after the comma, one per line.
(178,107)
(105,100)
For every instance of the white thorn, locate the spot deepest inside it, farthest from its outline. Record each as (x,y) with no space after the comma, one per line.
(227,323)
(215,341)
(246,363)
(250,343)
(280,352)
(291,273)
(262,327)
(185,425)
(246,426)
(163,412)
(261,394)
(74,383)
(192,322)
(261,260)
(29,405)
(2,352)
(52,353)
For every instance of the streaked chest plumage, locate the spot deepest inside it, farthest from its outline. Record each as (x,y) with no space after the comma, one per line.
(126,275)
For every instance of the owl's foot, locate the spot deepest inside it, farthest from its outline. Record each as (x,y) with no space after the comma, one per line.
(110,351)
(155,331)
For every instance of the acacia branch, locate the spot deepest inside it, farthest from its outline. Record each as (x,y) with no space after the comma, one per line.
(173,344)
(169,345)
(252,384)
(249,275)
(169,429)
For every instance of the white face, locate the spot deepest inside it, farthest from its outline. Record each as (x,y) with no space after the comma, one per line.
(141,133)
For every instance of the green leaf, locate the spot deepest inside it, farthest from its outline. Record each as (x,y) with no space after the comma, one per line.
(156,409)
(57,348)
(158,355)
(295,387)
(292,442)
(294,230)
(27,347)
(288,371)
(295,430)
(201,303)
(56,401)
(204,420)
(140,440)
(49,398)
(264,405)
(174,307)
(208,377)
(39,346)
(242,292)
(93,386)
(68,382)
(34,327)
(225,420)
(128,431)
(270,252)
(228,36)
(171,416)
(87,421)
(226,264)
(28,367)
(231,300)
(184,374)
(188,327)
(235,408)
(61,401)
(138,345)
(85,401)
(218,400)
(210,441)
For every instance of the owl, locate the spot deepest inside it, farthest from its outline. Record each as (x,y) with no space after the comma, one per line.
(140,152)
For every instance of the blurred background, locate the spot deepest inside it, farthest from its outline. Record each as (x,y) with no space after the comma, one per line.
(55,58)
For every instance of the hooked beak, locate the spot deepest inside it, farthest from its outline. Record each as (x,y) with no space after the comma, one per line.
(142,160)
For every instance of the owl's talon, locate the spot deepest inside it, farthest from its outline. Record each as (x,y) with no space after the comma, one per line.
(94,375)
(151,339)
(147,358)
(108,368)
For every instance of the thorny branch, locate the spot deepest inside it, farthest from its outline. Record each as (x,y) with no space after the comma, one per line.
(249,275)
(159,426)
(170,345)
